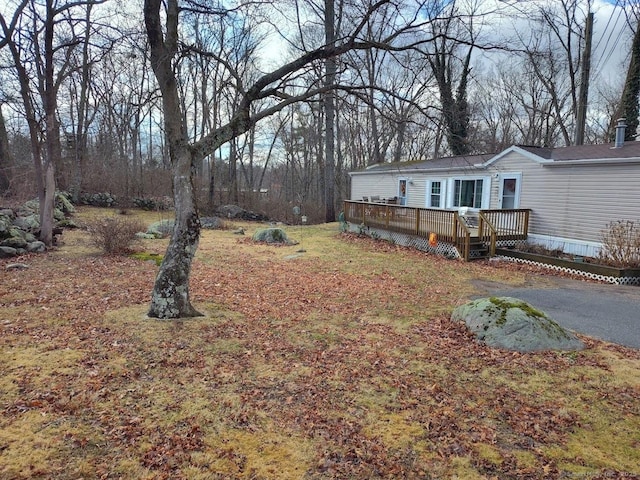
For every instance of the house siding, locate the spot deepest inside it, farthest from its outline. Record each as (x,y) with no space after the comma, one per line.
(571,204)
(575,202)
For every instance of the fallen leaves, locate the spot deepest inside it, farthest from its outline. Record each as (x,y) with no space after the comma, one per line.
(350,358)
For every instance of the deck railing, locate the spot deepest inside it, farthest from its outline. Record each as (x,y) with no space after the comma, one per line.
(493,225)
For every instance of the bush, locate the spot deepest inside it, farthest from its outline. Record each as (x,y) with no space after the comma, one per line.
(115,235)
(621,244)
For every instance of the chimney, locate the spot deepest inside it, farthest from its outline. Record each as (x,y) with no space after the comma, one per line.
(620,129)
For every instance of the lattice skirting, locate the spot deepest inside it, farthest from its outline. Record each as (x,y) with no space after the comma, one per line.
(444,249)
(573,271)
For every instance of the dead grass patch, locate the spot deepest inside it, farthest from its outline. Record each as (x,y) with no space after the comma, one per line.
(339,362)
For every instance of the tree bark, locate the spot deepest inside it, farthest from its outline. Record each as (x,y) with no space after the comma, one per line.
(329,110)
(6,159)
(170,297)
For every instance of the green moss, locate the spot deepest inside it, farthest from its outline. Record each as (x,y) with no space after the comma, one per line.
(148,257)
(504,304)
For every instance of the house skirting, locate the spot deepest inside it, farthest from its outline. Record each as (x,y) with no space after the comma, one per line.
(567,245)
(444,249)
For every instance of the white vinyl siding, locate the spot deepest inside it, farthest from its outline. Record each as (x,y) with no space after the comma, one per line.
(575,201)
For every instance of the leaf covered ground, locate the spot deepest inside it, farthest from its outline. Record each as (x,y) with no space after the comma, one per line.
(336,362)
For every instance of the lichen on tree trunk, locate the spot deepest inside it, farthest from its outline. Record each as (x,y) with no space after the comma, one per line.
(170,296)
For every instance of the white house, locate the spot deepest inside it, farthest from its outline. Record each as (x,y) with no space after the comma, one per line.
(573,192)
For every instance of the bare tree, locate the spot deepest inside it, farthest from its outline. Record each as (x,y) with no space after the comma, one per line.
(42,36)
(170,297)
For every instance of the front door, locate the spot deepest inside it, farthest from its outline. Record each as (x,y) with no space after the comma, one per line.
(402,191)
(509,193)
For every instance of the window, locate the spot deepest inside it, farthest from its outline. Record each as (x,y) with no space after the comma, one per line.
(435,195)
(468,193)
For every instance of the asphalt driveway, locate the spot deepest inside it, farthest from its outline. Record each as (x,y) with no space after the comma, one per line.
(607,312)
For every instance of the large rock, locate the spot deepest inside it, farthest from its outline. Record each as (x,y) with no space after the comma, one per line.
(234,211)
(16,239)
(511,324)
(28,223)
(36,247)
(8,252)
(272,235)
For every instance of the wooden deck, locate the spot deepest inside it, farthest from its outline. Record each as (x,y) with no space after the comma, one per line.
(482,234)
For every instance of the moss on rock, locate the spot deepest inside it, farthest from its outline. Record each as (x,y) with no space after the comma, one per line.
(512,324)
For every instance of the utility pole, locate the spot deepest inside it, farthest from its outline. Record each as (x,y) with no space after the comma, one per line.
(583,96)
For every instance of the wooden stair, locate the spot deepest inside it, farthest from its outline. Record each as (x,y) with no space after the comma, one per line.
(478,249)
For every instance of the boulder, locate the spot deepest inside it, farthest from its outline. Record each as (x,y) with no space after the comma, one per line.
(15,238)
(234,211)
(161,229)
(211,223)
(272,235)
(512,324)
(5,224)
(36,247)
(8,252)
(28,223)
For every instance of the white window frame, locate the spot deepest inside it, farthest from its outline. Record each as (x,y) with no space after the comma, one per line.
(443,192)
(485,201)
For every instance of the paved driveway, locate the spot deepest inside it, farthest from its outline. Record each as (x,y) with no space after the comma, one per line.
(607,312)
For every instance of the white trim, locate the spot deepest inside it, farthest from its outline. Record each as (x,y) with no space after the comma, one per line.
(520,151)
(567,245)
(485,202)
(443,192)
(407,171)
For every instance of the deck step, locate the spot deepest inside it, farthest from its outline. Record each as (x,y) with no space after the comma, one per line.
(478,250)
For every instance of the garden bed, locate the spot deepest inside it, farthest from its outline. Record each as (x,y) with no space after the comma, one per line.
(579,266)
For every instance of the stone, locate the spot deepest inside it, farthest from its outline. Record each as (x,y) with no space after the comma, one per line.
(36,247)
(16,266)
(234,211)
(512,324)
(161,229)
(8,252)
(211,223)
(5,224)
(15,240)
(28,223)
(272,235)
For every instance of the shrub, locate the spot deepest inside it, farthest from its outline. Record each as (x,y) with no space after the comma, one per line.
(115,235)
(621,244)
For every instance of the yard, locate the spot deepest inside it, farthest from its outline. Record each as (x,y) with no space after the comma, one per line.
(336,362)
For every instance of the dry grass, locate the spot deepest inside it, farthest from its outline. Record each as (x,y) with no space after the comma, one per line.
(336,362)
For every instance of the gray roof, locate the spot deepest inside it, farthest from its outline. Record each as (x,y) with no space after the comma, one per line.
(464,161)
(606,151)
(586,152)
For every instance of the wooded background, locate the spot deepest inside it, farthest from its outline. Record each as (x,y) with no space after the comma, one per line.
(77,93)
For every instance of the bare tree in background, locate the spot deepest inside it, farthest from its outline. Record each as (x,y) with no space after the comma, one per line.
(42,37)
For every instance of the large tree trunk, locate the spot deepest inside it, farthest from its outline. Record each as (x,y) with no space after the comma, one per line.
(329,110)
(170,297)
